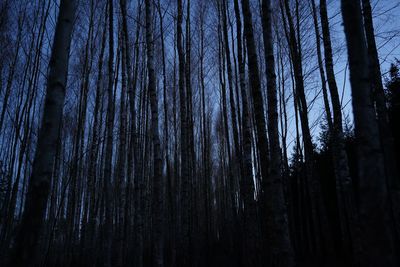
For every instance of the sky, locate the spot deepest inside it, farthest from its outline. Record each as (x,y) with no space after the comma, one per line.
(387,29)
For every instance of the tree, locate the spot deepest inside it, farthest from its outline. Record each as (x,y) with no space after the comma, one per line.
(341,169)
(386,136)
(39,183)
(393,101)
(278,229)
(255,86)
(312,188)
(374,221)
(165,149)
(158,199)
(184,176)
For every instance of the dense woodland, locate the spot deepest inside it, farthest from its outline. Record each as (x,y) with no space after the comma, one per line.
(199,133)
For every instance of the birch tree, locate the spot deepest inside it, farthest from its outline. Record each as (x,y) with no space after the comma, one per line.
(40,179)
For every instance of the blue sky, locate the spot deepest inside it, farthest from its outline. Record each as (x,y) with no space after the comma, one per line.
(387,28)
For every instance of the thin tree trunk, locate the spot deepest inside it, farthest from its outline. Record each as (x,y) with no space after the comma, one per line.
(185,235)
(312,184)
(321,67)
(341,168)
(12,68)
(109,139)
(158,196)
(236,151)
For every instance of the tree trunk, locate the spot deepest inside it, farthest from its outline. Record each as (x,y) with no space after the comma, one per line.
(256,95)
(39,183)
(279,245)
(341,168)
(374,221)
(321,67)
(386,136)
(185,235)
(109,139)
(259,120)
(158,196)
(312,189)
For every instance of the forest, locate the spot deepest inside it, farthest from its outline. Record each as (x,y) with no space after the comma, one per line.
(163,133)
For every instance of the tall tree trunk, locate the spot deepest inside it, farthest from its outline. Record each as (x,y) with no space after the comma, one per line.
(185,235)
(204,146)
(121,173)
(256,95)
(39,183)
(158,196)
(312,189)
(279,244)
(341,168)
(258,107)
(374,221)
(109,139)
(386,137)
(11,73)
(190,132)
(95,145)
(236,151)
(321,67)
(165,104)
(230,210)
